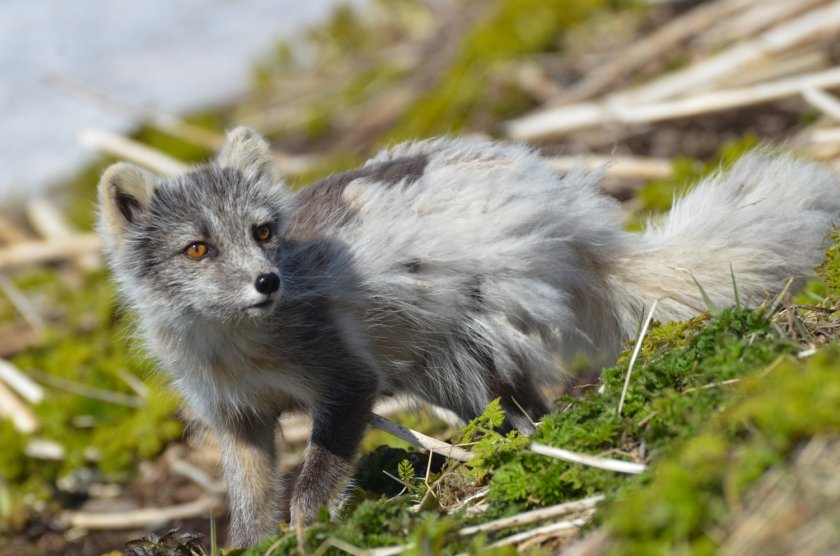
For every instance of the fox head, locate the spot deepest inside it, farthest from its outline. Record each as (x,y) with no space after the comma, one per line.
(204,243)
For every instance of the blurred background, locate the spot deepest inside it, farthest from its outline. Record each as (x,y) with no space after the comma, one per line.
(657,93)
(177,56)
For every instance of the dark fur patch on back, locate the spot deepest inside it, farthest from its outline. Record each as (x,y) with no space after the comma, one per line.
(322,203)
(406,170)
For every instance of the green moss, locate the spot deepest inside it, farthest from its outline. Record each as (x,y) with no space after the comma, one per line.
(830,269)
(675,391)
(692,491)
(668,400)
(90,350)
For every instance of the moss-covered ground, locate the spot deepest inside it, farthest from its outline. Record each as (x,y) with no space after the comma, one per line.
(713,405)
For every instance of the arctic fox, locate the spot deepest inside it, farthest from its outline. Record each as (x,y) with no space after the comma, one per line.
(456,271)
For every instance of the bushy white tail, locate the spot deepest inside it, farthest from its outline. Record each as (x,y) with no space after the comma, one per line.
(766,220)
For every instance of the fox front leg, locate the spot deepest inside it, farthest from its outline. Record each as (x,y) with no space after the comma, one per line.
(249,461)
(338,426)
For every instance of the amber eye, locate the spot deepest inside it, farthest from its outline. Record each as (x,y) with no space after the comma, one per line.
(262,232)
(196,250)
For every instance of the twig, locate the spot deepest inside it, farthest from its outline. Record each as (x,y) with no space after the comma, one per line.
(21,303)
(557,527)
(614,166)
(532,516)
(13,407)
(49,223)
(134,383)
(420,440)
(156,118)
(128,149)
(712,385)
(559,121)
(34,252)
(651,47)
(796,63)
(25,387)
(806,28)
(634,356)
(143,517)
(830,135)
(477,495)
(390,550)
(617,465)
(758,17)
(198,476)
(116,398)
(826,103)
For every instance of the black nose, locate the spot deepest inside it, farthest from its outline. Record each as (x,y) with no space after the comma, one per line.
(267,283)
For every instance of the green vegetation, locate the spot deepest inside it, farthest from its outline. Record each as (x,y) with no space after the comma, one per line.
(702,482)
(88,357)
(713,403)
(704,405)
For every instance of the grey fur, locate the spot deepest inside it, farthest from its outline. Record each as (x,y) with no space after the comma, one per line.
(451,270)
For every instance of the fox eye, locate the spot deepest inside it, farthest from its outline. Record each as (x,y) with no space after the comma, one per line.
(196,250)
(262,232)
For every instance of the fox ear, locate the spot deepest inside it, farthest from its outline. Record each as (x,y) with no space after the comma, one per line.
(245,150)
(125,192)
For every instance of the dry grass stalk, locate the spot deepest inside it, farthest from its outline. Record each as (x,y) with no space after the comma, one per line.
(420,440)
(814,24)
(173,125)
(36,252)
(549,529)
(12,407)
(712,385)
(532,516)
(792,509)
(24,386)
(806,60)
(186,469)
(165,122)
(560,121)
(635,167)
(826,103)
(127,149)
(608,464)
(757,17)
(143,517)
(649,48)
(830,135)
(81,389)
(25,307)
(633,357)
(49,223)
